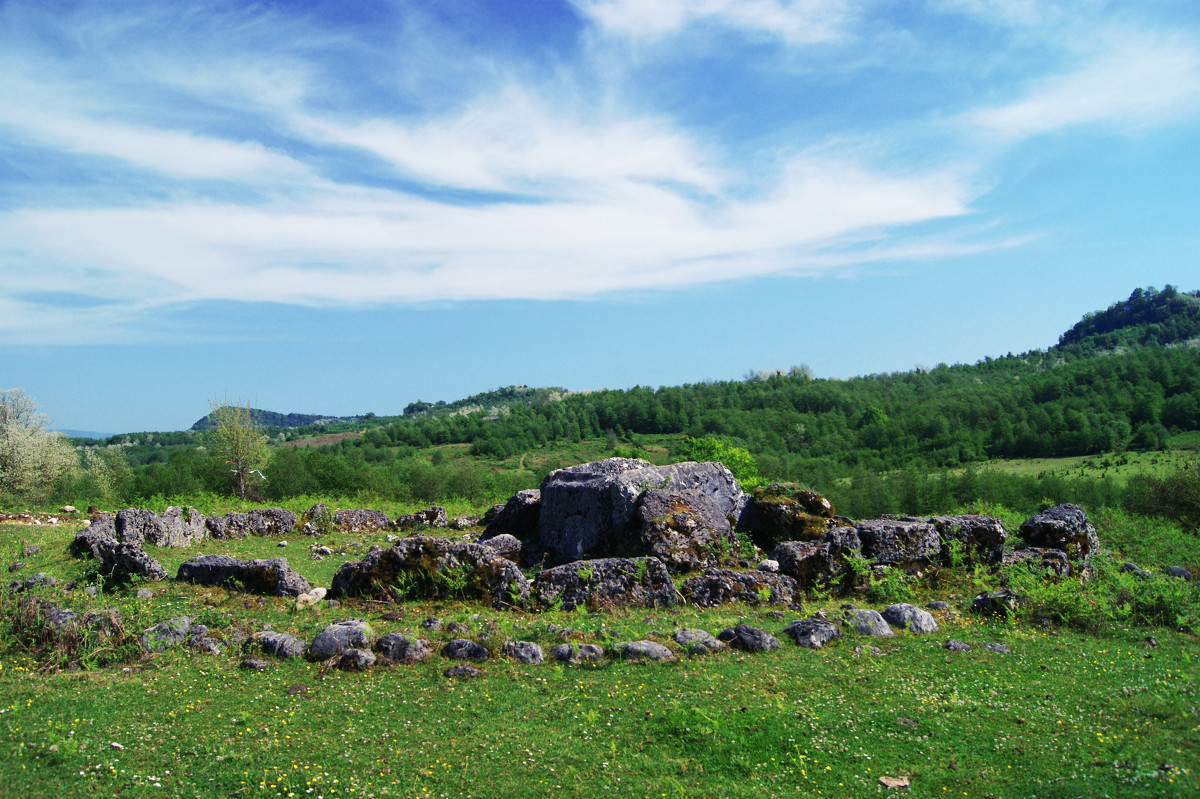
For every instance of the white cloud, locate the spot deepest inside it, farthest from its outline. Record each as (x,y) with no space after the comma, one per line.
(794,21)
(1139,83)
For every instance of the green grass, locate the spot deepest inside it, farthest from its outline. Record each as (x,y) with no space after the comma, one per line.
(1068,713)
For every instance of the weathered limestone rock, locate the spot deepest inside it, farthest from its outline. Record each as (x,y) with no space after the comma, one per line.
(183,526)
(607,583)
(400,648)
(462,670)
(1054,561)
(506,546)
(911,617)
(118,558)
(981,537)
(464,649)
(523,652)
(590,508)
(697,642)
(1064,527)
(360,521)
(356,659)
(867,622)
(273,577)
(720,586)
(280,645)
(683,529)
(956,646)
(345,634)
(433,567)
(166,634)
(518,517)
(434,516)
(577,653)
(818,562)
(642,650)
(261,521)
(785,512)
(748,639)
(996,603)
(891,542)
(812,633)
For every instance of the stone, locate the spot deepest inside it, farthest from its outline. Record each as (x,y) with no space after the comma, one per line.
(317,516)
(201,642)
(310,598)
(910,617)
(34,581)
(956,646)
(144,593)
(261,522)
(697,642)
(769,566)
(937,605)
(683,529)
(271,577)
(422,567)
(91,591)
(463,522)
(279,645)
(30,550)
(434,516)
(1135,570)
(786,512)
(400,648)
(506,546)
(868,622)
(59,618)
(996,603)
(518,517)
(606,583)
(812,633)
(577,653)
(981,537)
(1064,527)
(523,652)
(748,639)
(356,659)
(67,509)
(341,635)
(183,527)
(908,545)
(642,650)
(166,634)
(1053,561)
(432,624)
(16,567)
(1178,571)
(464,649)
(818,563)
(251,664)
(361,521)
(462,670)
(998,648)
(720,586)
(590,509)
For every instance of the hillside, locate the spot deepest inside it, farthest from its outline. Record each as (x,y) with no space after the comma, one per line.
(1148,318)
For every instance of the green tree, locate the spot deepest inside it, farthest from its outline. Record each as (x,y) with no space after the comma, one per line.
(32,458)
(238,443)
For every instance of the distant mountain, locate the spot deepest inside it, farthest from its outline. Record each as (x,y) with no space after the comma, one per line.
(281,420)
(1148,318)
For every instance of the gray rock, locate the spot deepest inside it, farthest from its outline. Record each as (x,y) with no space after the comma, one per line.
(30,550)
(16,566)
(911,617)
(272,577)
(430,517)
(105,622)
(998,648)
(868,622)
(748,639)
(518,517)
(996,603)
(1178,571)
(697,642)
(250,664)
(204,643)
(34,581)
(891,542)
(183,527)
(464,649)
(1053,561)
(341,635)
(91,591)
(957,646)
(422,567)
(261,522)
(402,649)
(686,530)
(607,583)
(356,660)
(812,632)
(818,563)
(719,586)
(360,521)
(462,670)
(506,546)
(590,508)
(785,512)
(982,537)
(60,618)
(1064,527)
(166,634)
(938,605)
(280,645)
(144,593)
(523,652)
(642,650)
(463,522)
(577,653)
(121,559)
(769,566)
(432,624)
(1135,570)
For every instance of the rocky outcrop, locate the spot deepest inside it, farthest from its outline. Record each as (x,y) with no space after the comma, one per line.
(1063,527)
(518,517)
(177,527)
(183,526)
(606,583)
(683,529)
(261,522)
(118,558)
(273,577)
(360,521)
(1051,561)
(908,545)
(434,516)
(433,568)
(818,563)
(591,508)
(786,512)
(721,586)
(981,538)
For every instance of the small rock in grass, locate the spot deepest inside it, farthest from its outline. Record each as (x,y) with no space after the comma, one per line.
(957,646)
(642,650)
(911,617)
(356,660)
(462,670)
(432,624)
(524,652)
(31,549)
(91,590)
(144,593)
(868,622)
(748,639)
(402,649)
(1000,648)
(345,634)
(251,664)
(697,642)
(938,605)
(462,649)
(812,633)
(1179,571)
(577,653)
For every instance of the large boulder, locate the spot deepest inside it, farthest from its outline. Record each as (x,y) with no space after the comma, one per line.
(177,527)
(183,526)
(684,529)
(910,617)
(260,521)
(433,568)
(909,545)
(590,509)
(606,583)
(340,636)
(273,577)
(980,537)
(120,559)
(1064,527)
(786,512)
(363,520)
(822,562)
(518,517)
(721,586)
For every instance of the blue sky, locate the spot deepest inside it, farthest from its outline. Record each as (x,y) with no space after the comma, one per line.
(344,207)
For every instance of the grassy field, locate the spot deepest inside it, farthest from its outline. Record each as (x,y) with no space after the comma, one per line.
(1067,713)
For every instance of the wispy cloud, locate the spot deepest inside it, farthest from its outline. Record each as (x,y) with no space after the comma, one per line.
(793,21)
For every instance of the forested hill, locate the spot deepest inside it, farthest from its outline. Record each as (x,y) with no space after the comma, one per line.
(1147,318)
